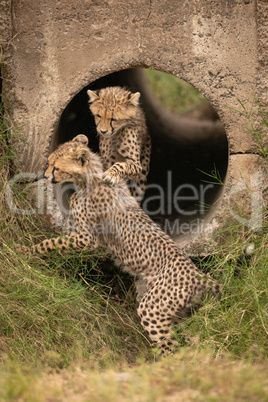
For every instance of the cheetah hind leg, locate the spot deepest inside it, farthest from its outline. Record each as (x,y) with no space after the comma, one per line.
(158,325)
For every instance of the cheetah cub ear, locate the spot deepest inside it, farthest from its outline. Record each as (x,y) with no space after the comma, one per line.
(93,96)
(134,99)
(82,155)
(81,138)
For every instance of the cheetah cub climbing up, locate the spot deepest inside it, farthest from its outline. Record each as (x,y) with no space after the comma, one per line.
(110,218)
(124,141)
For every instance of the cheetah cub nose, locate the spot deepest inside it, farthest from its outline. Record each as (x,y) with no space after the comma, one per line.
(103,131)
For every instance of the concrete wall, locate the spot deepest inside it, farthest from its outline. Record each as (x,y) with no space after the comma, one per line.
(53,49)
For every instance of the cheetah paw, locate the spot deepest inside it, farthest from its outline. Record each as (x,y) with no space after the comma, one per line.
(110,179)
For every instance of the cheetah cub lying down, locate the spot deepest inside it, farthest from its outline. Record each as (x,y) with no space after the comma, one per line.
(110,218)
(124,142)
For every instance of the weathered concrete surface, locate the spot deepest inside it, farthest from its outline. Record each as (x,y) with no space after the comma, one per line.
(53,49)
(5,24)
(57,48)
(262,76)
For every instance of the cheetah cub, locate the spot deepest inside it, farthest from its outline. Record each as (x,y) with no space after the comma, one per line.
(110,218)
(124,141)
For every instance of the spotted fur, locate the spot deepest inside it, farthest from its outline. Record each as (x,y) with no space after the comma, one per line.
(110,218)
(124,143)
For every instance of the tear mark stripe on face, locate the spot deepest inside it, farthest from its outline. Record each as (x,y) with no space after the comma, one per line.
(53,176)
(111,124)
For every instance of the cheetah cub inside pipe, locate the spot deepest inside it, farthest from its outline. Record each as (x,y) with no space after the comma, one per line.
(110,218)
(124,141)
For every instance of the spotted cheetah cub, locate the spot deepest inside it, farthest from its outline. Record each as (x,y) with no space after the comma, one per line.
(124,141)
(110,218)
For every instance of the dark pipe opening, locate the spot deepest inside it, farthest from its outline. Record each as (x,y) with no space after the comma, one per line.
(186,149)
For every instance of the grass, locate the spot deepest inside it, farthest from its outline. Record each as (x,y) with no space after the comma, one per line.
(69,331)
(190,376)
(238,325)
(173,93)
(46,308)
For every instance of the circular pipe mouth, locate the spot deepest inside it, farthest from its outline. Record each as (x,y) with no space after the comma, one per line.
(189,158)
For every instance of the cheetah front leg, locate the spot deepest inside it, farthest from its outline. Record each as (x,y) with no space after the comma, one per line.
(74,242)
(121,170)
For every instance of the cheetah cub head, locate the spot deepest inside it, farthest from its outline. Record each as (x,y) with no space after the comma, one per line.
(69,163)
(113,108)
